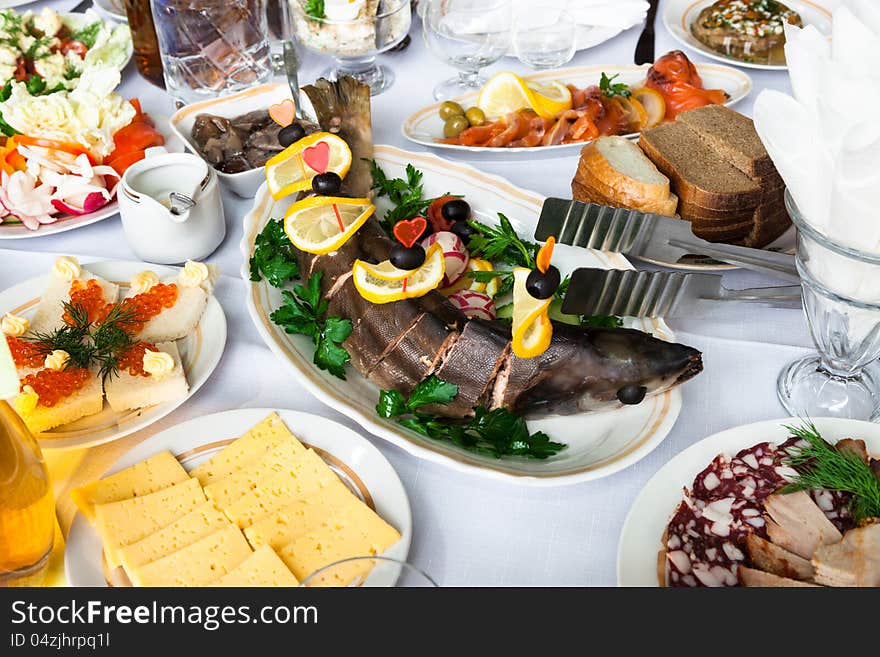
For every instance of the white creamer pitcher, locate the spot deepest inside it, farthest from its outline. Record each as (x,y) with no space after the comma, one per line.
(171,207)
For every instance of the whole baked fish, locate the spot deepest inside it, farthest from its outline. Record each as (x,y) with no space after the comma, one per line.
(397,345)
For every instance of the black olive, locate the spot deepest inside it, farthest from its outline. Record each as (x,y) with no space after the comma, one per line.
(407,258)
(327,184)
(464,230)
(631,394)
(290,134)
(456,210)
(543,285)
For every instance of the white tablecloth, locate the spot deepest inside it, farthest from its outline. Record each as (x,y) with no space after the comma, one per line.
(469,530)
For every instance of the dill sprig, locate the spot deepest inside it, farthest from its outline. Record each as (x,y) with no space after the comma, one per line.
(111,338)
(820,466)
(73,337)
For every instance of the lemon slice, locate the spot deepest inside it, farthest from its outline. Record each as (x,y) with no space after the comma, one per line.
(380,284)
(322,224)
(293,168)
(507,92)
(465,282)
(532,329)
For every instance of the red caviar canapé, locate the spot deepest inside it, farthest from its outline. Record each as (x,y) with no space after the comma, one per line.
(147,305)
(55,385)
(24,353)
(132,359)
(90,297)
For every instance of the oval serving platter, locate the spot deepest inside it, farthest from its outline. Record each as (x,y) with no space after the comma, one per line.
(599,444)
(200,352)
(640,538)
(425,126)
(359,465)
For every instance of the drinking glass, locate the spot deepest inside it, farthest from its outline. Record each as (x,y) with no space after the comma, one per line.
(468,34)
(544,36)
(144,41)
(354,38)
(212,47)
(841,292)
(370,572)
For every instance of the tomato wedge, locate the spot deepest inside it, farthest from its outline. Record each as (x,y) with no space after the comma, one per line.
(68,147)
(121,162)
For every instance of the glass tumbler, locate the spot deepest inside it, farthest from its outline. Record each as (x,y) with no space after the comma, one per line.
(841,293)
(467,34)
(370,572)
(212,47)
(544,36)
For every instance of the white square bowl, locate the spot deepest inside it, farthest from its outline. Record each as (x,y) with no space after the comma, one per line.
(245,183)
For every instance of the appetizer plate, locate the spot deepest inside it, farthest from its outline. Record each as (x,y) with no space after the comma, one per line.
(200,352)
(425,126)
(650,513)
(599,444)
(357,462)
(18,231)
(679,15)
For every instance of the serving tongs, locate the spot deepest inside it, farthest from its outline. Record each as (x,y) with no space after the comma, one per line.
(630,293)
(649,236)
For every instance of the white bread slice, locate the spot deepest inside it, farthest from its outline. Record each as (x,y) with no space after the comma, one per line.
(86,401)
(178,321)
(49,313)
(666,206)
(126,392)
(622,166)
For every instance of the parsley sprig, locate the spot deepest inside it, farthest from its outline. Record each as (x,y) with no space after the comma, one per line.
(304,312)
(502,244)
(88,35)
(274,256)
(407,195)
(315,9)
(609,88)
(497,432)
(821,466)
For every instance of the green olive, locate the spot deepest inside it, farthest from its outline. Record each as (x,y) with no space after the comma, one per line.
(450,109)
(475,116)
(455,126)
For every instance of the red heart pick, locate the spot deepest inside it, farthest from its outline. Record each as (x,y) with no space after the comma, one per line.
(407,231)
(317,156)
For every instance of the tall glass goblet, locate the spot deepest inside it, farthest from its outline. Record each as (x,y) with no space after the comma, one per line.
(841,290)
(469,35)
(544,36)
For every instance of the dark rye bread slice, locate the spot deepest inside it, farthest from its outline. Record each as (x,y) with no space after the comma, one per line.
(768,227)
(728,233)
(732,136)
(699,176)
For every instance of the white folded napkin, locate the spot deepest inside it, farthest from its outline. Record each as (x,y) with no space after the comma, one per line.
(621,14)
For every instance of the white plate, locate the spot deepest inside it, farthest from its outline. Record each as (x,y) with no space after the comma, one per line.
(113,9)
(360,465)
(425,126)
(599,444)
(199,351)
(678,15)
(10,231)
(650,513)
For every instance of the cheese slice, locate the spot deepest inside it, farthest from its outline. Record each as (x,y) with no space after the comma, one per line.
(205,519)
(227,490)
(354,530)
(307,476)
(126,521)
(244,451)
(156,473)
(201,563)
(283,526)
(262,568)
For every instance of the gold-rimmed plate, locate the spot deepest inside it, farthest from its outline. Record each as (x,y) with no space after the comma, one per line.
(200,352)
(599,444)
(352,457)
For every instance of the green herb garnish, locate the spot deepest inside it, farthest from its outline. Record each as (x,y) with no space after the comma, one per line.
(610,90)
(304,313)
(502,244)
(88,35)
(497,433)
(406,195)
(35,84)
(274,256)
(821,466)
(315,9)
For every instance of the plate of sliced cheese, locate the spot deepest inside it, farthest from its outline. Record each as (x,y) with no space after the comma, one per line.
(236,499)
(105,349)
